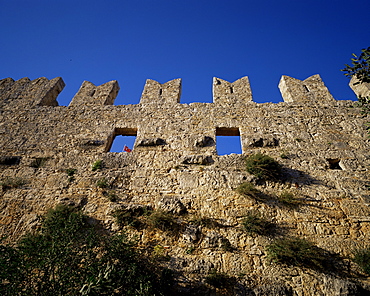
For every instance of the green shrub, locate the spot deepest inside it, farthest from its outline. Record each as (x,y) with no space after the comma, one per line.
(102,183)
(163,221)
(362,258)
(297,251)
(11,182)
(247,189)
(253,223)
(97,165)
(126,217)
(68,256)
(71,172)
(288,198)
(263,167)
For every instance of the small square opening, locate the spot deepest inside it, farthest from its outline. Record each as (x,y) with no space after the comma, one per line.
(123,140)
(228,140)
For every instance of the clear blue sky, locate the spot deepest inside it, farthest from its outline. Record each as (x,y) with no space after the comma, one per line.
(195,40)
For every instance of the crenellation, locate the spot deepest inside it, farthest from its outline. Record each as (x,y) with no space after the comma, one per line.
(174,165)
(157,93)
(91,95)
(27,93)
(311,90)
(238,91)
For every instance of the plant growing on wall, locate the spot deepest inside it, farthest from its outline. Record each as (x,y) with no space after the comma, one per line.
(362,258)
(68,256)
(296,251)
(263,166)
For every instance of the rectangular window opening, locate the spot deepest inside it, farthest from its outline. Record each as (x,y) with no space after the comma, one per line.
(228,140)
(122,140)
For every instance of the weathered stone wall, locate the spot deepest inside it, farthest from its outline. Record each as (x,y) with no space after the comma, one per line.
(174,166)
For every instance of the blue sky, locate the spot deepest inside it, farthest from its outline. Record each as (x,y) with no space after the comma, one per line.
(195,40)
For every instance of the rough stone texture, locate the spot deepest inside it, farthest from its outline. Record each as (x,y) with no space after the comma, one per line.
(321,143)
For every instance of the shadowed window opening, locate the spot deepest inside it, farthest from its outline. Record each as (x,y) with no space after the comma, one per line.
(122,140)
(334,164)
(228,140)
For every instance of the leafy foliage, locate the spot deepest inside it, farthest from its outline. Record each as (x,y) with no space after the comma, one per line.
(247,189)
(296,251)
(253,223)
(97,165)
(163,221)
(263,166)
(360,66)
(362,258)
(288,198)
(68,256)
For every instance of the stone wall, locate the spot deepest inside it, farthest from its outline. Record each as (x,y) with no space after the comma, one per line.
(321,143)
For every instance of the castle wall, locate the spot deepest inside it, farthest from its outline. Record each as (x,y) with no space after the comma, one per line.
(174,165)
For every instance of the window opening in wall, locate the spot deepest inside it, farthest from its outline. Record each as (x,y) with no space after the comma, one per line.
(334,164)
(123,140)
(228,140)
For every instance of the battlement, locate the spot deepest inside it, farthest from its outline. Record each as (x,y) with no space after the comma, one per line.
(44,92)
(51,155)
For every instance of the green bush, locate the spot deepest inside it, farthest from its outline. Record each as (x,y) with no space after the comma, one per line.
(163,221)
(297,251)
(97,165)
(362,258)
(69,256)
(102,183)
(247,189)
(263,167)
(126,217)
(288,198)
(253,223)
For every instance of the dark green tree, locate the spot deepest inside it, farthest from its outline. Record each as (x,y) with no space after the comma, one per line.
(360,67)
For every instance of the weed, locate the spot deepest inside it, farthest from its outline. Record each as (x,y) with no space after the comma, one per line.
(190,250)
(362,258)
(102,183)
(296,251)
(163,221)
(288,198)
(39,162)
(126,217)
(11,182)
(247,189)
(263,166)
(284,156)
(160,253)
(97,165)
(253,223)
(218,279)
(71,172)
